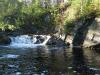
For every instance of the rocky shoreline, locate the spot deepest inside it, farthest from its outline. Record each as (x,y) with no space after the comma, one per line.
(92,38)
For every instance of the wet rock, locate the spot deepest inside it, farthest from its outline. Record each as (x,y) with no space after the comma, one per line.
(4,40)
(56,41)
(95,47)
(40,39)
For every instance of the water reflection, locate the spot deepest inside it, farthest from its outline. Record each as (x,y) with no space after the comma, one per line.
(79,62)
(49,61)
(57,64)
(78,57)
(37,60)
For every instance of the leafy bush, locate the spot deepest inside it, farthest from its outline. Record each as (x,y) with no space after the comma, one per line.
(4,27)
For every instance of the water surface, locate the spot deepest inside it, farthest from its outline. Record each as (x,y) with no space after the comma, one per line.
(45,60)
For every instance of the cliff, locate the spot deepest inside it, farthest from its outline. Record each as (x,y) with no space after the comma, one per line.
(93,36)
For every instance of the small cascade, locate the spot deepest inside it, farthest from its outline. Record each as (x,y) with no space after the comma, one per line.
(29,41)
(47,38)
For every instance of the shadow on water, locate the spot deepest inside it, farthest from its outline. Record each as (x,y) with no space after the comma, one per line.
(79,63)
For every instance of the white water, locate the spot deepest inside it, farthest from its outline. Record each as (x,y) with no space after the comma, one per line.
(9,56)
(26,41)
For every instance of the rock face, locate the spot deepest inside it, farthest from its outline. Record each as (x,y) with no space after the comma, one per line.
(82,30)
(4,40)
(93,36)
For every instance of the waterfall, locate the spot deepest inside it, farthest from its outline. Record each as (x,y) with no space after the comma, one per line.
(48,37)
(26,41)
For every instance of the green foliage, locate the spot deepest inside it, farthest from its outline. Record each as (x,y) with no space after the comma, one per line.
(69,26)
(31,15)
(15,14)
(4,27)
(78,10)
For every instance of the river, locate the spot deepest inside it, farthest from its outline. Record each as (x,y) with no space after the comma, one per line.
(47,60)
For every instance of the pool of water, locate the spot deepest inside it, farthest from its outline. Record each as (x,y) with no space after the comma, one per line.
(49,61)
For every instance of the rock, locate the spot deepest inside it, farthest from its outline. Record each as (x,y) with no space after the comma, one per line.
(56,41)
(95,47)
(40,39)
(68,44)
(4,40)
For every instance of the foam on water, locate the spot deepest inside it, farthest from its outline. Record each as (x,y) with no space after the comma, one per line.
(26,41)
(9,56)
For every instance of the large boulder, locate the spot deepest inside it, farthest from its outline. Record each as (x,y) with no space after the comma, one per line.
(4,40)
(55,41)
